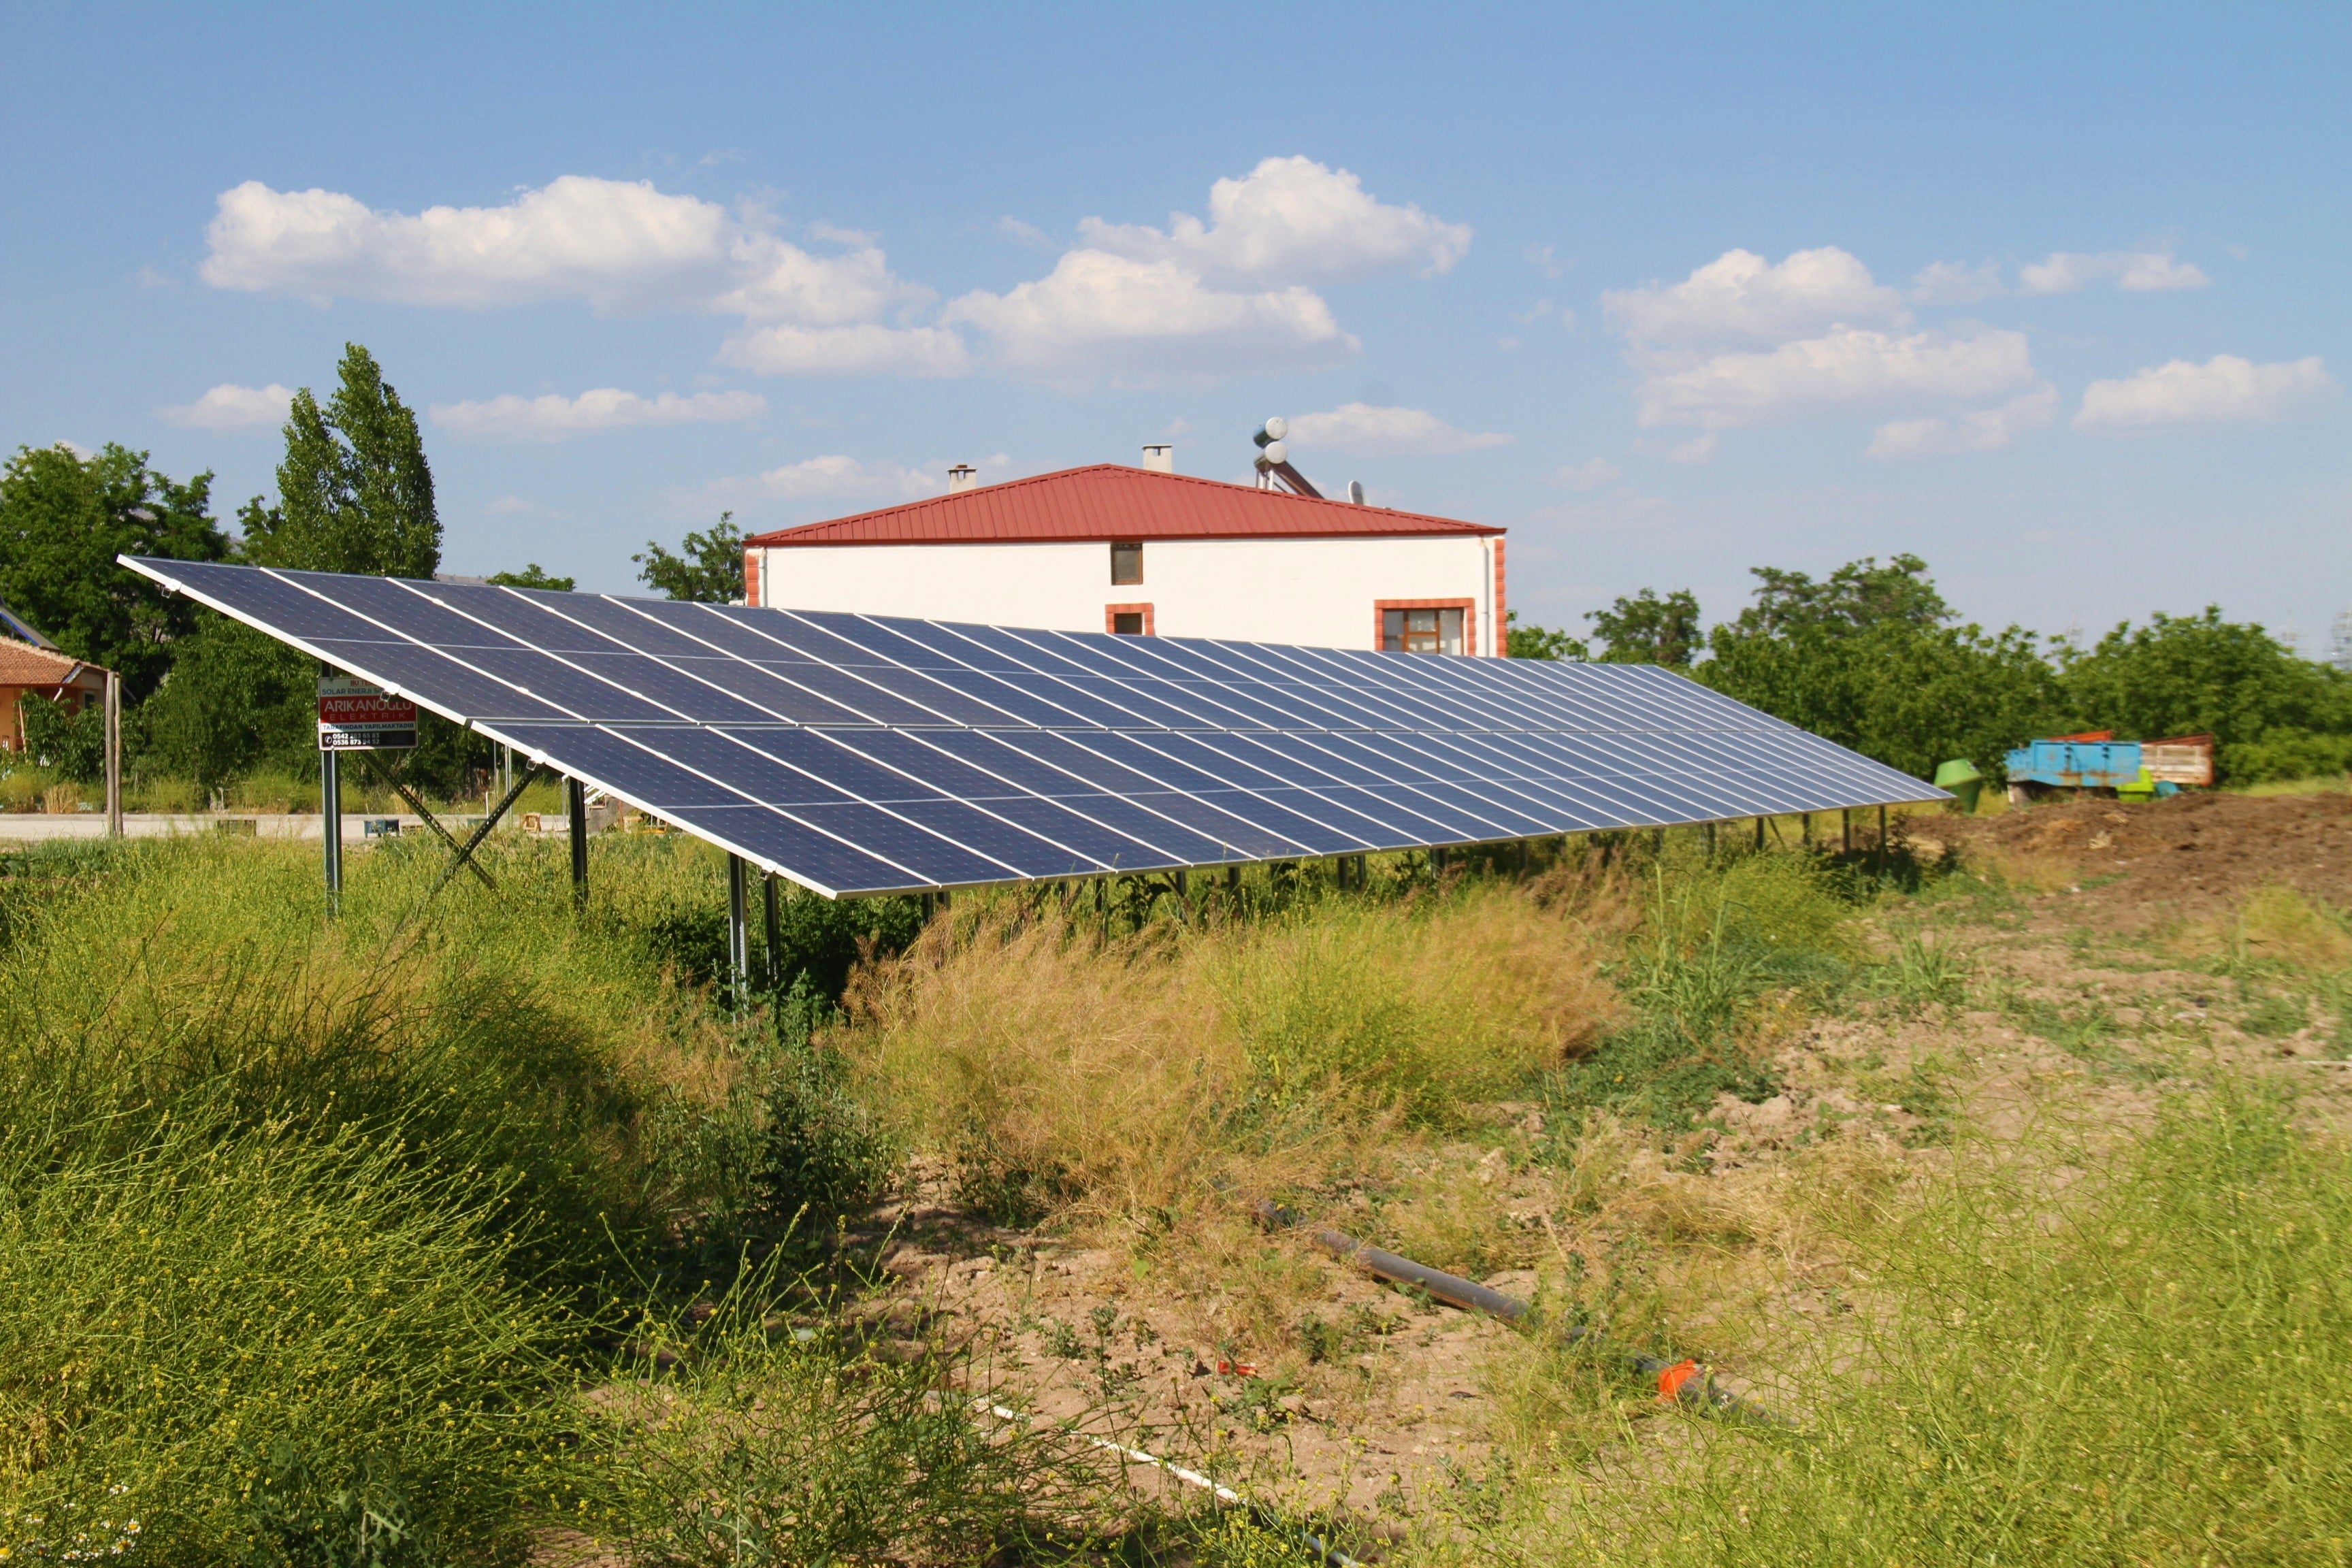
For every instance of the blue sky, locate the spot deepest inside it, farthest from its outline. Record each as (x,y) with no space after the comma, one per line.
(2054,297)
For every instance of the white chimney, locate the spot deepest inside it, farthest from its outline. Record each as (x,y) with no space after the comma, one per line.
(1159,460)
(962,476)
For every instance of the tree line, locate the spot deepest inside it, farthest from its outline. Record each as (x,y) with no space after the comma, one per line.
(208,699)
(1872,656)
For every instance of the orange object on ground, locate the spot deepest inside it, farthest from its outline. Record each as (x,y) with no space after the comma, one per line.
(1671,1381)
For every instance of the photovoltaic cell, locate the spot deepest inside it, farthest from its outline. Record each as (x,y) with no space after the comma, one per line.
(859,754)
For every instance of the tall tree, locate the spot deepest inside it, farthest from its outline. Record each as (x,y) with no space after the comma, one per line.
(63,520)
(355,492)
(707,570)
(1647,629)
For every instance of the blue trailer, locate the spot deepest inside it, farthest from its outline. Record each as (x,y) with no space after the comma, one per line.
(2072,765)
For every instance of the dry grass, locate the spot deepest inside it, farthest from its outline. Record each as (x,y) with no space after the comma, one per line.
(1139,1077)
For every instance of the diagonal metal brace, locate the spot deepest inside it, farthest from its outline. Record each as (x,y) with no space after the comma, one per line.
(464,856)
(417,805)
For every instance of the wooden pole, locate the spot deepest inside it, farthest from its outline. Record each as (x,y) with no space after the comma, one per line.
(113,755)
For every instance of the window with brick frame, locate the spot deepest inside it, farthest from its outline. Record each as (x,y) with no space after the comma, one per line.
(1436,630)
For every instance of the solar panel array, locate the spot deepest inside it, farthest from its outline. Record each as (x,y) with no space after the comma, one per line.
(863,754)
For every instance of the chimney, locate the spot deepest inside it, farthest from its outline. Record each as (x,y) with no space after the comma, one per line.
(1159,460)
(962,476)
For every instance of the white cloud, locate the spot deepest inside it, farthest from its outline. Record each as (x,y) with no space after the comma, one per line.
(837,477)
(868,349)
(1028,236)
(1698,449)
(555,418)
(617,245)
(2066,271)
(1957,283)
(1290,220)
(1361,427)
(1982,430)
(1741,297)
(1848,367)
(1097,312)
(1588,475)
(229,406)
(2225,390)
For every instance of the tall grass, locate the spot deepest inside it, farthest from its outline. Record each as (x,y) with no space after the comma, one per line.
(236,1342)
(2092,1357)
(1097,1077)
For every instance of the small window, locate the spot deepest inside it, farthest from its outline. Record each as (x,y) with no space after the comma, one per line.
(1421,631)
(1127,565)
(1127,623)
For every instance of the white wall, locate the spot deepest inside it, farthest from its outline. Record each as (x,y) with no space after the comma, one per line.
(1316,592)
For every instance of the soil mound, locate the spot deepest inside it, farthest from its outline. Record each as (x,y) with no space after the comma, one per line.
(2164,860)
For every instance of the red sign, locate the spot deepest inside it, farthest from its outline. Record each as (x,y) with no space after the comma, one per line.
(356,716)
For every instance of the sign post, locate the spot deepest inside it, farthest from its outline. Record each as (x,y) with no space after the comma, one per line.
(353,716)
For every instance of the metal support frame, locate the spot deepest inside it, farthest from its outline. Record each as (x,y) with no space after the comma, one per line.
(1710,840)
(1760,832)
(1881,841)
(399,786)
(465,854)
(739,931)
(771,910)
(575,808)
(331,826)
(113,755)
(1845,826)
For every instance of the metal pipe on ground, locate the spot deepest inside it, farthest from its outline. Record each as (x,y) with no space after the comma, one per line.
(1683,1382)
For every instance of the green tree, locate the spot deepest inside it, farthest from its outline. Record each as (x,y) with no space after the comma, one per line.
(237,700)
(1647,629)
(1863,657)
(2274,713)
(708,568)
(355,492)
(63,520)
(1540,642)
(532,576)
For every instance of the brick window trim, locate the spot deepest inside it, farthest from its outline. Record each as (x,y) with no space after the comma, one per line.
(1112,612)
(1502,616)
(1469,609)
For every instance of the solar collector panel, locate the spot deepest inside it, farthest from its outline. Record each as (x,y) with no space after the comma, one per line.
(867,754)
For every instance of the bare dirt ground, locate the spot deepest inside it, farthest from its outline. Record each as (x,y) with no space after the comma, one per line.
(2073,965)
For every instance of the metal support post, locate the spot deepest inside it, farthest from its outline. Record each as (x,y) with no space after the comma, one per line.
(1233,878)
(331,826)
(575,807)
(1808,832)
(1881,841)
(1760,832)
(113,755)
(1710,840)
(771,927)
(1845,826)
(739,931)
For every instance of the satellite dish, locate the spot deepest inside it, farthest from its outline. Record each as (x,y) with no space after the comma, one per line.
(1277,429)
(1356,492)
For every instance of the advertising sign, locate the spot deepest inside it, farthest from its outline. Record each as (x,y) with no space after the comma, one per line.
(356,716)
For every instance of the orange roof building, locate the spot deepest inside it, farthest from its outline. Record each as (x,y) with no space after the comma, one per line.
(1146,551)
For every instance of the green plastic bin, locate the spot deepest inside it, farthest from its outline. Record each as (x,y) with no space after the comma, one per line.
(1960,777)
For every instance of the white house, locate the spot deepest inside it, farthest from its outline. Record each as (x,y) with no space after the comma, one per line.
(1147,552)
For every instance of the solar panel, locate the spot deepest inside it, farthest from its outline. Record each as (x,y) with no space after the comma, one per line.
(860,754)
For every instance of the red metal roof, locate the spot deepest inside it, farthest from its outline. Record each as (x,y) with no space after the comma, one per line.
(1109,501)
